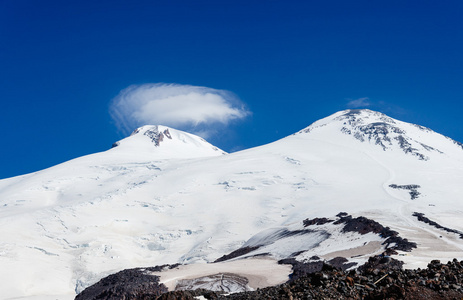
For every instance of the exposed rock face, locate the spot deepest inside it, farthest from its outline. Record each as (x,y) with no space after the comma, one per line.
(384,132)
(157,136)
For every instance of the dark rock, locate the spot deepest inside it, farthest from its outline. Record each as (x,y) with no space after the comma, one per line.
(413,189)
(422,218)
(300,268)
(341,263)
(363,225)
(237,253)
(127,284)
(316,221)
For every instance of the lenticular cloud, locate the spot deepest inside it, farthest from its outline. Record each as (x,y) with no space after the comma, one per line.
(174,105)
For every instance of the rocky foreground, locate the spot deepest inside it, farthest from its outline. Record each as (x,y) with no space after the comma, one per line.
(380,278)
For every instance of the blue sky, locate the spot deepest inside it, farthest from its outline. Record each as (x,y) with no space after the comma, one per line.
(284,63)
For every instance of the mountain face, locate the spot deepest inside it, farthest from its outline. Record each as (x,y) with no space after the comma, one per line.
(376,128)
(162,196)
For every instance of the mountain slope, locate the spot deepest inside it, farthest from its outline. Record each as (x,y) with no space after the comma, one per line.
(138,205)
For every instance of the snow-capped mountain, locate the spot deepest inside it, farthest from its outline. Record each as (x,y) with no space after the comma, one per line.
(385,132)
(164,196)
(166,143)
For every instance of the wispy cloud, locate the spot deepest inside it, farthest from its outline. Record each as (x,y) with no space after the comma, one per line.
(360,102)
(386,107)
(194,108)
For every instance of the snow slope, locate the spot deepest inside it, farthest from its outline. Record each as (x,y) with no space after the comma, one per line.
(164,196)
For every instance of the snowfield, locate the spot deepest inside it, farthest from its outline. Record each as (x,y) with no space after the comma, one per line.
(259,272)
(163,196)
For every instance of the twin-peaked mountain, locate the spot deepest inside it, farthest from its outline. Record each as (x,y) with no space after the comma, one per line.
(163,196)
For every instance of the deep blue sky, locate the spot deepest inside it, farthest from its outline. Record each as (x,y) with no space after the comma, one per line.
(290,62)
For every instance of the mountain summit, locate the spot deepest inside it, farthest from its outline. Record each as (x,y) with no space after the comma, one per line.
(165,143)
(389,134)
(163,196)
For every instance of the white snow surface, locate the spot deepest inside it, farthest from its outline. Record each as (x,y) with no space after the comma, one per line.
(150,202)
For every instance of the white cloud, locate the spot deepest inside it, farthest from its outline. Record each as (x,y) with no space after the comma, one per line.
(360,102)
(186,107)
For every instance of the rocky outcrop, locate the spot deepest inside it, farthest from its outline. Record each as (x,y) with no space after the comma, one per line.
(422,218)
(236,253)
(157,136)
(412,188)
(316,221)
(127,284)
(364,225)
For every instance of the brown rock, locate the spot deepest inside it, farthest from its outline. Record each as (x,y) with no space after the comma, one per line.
(350,281)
